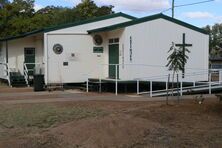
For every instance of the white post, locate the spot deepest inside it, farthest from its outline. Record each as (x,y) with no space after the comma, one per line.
(166,86)
(87,85)
(151,89)
(100,85)
(138,87)
(116,80)
(210,83)
(194,84)
(220,76)
(100,79)
(181,88)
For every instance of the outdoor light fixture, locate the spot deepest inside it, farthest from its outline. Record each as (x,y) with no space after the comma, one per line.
(98,40)
(57,48)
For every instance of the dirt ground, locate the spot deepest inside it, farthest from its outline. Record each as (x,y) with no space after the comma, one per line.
(111,124)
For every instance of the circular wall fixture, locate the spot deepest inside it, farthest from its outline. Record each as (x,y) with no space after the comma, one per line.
(98,40)
(57,48)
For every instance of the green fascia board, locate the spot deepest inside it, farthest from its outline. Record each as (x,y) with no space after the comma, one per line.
(45,30)
(146,19)
(120,14)
(22,35)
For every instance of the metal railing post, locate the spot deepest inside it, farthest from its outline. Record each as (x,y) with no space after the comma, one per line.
(8,74)
(138,87)
(116,80)
(100,79)
(220,76)
(194,84)
(181,88)
(151,89)
(87,85)
(210,92)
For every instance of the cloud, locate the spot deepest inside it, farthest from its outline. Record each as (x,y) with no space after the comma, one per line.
(204,16)
(199,15)
(135,5)
(132,5)
(38,7)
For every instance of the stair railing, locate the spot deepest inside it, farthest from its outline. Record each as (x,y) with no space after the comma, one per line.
(26,74)
(7,72)
(27,71)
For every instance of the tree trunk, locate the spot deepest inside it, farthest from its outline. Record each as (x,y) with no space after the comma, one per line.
(167,98)
(178,96)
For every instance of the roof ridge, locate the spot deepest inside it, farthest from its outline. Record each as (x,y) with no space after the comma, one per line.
(146,19)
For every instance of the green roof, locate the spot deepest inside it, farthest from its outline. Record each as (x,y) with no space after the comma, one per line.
(146,19)
(120,14)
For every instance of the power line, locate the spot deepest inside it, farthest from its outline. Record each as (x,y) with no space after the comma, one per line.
(191,4)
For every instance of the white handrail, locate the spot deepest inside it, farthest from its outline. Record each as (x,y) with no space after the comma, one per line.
(7,70)
(196,72)
(26,75)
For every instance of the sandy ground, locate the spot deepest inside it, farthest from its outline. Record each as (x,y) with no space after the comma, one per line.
(129,122)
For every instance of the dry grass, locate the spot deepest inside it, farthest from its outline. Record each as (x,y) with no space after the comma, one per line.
(42,115)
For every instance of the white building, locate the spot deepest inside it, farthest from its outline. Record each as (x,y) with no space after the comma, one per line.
(75,52)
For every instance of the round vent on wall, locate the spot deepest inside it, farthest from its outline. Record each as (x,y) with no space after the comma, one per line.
(57,48)
(98,40)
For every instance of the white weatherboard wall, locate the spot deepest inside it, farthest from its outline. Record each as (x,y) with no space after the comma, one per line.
(150,44)
(16,51)
(76,40)
(79,67)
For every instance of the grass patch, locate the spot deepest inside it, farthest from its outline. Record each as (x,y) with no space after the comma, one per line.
(43,115)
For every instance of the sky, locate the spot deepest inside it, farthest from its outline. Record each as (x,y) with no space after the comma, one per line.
(199,15)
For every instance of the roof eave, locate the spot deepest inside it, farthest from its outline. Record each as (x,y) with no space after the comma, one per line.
(64,26)
(146,19)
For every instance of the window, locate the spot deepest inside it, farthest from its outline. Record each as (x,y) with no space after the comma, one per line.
(114,41)
(29,51)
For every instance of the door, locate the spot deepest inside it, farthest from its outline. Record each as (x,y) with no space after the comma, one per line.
(113,59)
(30,59)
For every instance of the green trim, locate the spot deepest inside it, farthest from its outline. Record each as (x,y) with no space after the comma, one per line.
(146,19)
(98,49)
(45,30)
(23,35)
(120,14)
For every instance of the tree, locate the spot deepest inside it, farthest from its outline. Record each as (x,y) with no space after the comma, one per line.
(215,33)
(15,17)
(176,61)
(88,9)
(3,3)
(19,16)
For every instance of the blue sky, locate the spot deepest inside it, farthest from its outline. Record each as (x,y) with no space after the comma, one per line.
(199,15)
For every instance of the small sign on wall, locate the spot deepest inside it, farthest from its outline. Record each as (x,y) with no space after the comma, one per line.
(97,49)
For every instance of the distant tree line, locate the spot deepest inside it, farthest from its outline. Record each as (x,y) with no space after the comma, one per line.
(215,33)
(19,16)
